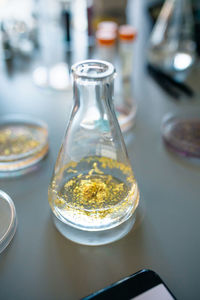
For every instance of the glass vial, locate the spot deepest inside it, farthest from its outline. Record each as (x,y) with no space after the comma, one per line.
(127,35)
(125,103)
(93,193)
(105,45)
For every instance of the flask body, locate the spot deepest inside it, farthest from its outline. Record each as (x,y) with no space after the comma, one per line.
(93,188)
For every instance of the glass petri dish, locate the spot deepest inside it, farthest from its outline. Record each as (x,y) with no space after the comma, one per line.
(8,220)
(182,133)
(23,143)
(126,118)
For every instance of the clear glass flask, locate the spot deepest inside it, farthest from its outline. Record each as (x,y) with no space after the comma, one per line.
(93,193)
(172,44)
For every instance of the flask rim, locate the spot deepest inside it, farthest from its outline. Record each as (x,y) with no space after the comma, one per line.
(93,69)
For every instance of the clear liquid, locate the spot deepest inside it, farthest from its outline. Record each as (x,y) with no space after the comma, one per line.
(96,193)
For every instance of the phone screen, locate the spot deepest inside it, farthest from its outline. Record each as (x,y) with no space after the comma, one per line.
(156,293)
(143,285)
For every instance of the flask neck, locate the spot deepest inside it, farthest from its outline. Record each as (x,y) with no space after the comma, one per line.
(93,94)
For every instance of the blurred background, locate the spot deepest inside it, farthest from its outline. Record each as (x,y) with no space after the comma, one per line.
(45,37)
(50,32)
(41,39)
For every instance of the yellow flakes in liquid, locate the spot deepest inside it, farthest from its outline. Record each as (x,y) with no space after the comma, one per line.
(94,190)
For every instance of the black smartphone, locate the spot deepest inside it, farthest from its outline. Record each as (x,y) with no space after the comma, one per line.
(143,285)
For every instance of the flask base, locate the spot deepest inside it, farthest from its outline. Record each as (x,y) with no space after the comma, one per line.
(94,238)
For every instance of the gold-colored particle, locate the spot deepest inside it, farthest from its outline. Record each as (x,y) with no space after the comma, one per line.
(71,171)
(59,202)
(69,183)
(71,164)
(96,169)
(90,190)
(6,151)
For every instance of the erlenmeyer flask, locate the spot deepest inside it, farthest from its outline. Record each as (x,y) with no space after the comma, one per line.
(172,44)
(93,193)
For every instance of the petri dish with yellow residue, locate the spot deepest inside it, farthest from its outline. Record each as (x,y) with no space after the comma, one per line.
(23,143)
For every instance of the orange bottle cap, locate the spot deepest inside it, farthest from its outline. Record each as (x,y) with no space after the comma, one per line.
(108,26)
(127,33)
(105,38)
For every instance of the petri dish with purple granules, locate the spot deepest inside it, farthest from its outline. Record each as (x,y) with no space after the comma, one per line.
(181,133)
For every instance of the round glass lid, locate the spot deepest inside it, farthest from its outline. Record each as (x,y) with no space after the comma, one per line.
(8,220)
(23,142)
(182,133)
